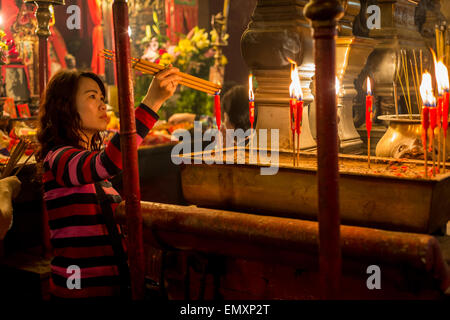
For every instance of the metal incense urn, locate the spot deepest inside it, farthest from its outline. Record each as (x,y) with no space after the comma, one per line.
(403,138)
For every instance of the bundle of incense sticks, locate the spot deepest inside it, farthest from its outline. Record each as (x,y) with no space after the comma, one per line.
(186,79)
(16,155)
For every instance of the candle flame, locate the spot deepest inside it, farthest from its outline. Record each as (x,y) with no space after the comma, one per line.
(251,95)
(369,87)
(295,89)
(441,77)
(292,62)
(426,90)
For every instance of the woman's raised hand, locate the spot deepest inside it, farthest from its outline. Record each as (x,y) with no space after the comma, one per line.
(162,88)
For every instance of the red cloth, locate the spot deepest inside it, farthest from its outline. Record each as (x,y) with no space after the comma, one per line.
(56,41)
(180,18)
(9,14)
(98,63)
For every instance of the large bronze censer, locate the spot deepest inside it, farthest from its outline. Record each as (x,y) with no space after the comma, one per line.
(403,138)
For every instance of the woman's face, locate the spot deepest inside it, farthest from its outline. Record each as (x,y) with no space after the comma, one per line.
(91,106)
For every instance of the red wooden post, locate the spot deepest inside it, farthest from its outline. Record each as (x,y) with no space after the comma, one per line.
(43,64)
(129,149)
(43,16)
(324,14)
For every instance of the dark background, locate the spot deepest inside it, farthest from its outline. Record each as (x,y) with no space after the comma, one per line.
(79,42)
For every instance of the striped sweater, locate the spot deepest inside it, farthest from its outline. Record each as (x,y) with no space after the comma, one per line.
(78,232)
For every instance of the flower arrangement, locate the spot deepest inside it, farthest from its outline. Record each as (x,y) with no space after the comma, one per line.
(193,54)
(3,48)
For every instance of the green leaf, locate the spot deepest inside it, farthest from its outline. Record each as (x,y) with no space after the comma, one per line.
(155,28)
(155,17)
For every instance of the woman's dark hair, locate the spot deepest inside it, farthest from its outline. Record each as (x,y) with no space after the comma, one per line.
(59,120)
(235,104)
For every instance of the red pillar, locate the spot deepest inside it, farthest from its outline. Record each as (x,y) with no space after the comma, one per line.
(43,17)
(43,64)
(129,149)
(324,14)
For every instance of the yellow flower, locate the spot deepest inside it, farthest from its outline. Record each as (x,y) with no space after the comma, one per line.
(214,35)
(166,59)
(223,60)
(2,34)
(200,38)
(156,29)
(185,46)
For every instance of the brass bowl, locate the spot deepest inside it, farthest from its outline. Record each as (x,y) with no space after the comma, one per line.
(403,138)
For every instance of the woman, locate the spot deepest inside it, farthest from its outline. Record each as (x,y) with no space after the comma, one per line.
(72,115)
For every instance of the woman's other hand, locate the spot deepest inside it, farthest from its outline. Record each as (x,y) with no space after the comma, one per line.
(162,88)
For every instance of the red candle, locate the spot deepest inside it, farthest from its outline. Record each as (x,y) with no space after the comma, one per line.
(428,116)
(293,110)
(425,124)
(433,118)
(299,116)
(439,111)
(445,111)
(251,102)
(251,106)
(217,109)
(369,106)
(442,81)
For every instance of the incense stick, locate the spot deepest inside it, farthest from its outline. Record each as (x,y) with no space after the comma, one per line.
(400,79)
(444,154)
(433,156)
(426,156)
(186,79)
(293,148)
(439,149)
(419,104)
(185,76)
(23,164)
(415,84)
(15,156)
(442,44)
(405,66)
(438,41)
(394,84)
(184,82)
(188,83)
